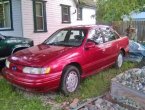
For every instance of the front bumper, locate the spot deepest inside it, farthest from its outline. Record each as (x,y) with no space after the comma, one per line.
(30,82)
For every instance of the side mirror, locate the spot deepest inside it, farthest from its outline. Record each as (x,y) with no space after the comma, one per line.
(90,45)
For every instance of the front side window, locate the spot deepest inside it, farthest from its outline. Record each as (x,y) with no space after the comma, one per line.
(40,24)
(79,13)
(67,37)
(65,13)
(5,15)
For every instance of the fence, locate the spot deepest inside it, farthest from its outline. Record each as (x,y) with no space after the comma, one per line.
(121,27)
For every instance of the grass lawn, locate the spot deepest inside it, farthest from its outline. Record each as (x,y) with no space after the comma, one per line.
(11,100)
(90,87)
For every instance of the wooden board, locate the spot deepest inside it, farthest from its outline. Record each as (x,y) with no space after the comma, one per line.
(119,90)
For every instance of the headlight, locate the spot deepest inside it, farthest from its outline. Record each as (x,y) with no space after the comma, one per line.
(32,70)
(7,64)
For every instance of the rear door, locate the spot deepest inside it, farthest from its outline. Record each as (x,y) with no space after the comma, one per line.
(110,45)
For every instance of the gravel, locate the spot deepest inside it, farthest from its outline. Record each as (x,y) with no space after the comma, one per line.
(102,104)
(129,102)
(133,78)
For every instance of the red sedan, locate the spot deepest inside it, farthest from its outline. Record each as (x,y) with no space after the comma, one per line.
(65,57)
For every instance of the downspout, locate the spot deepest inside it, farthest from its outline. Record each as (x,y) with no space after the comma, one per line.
(22,18)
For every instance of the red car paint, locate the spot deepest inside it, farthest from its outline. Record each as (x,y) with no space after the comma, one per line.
(89,60)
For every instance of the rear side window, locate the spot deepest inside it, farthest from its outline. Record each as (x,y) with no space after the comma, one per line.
(95,36)
(109,34)
(102,35)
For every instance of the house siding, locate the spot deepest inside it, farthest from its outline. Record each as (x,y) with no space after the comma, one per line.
(88,17)
(54,18)
(17,20)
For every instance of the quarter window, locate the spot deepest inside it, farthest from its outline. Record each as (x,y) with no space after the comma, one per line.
(65,13)
(40,24)
(5,15)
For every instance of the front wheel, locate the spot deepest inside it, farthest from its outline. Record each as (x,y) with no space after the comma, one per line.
(119,60)
(70,80)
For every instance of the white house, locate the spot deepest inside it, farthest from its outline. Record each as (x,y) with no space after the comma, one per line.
(38,19)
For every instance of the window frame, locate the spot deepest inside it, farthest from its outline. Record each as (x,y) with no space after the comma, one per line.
(117,36)
(43,3)
(79,12)
(11,19)
(62,13)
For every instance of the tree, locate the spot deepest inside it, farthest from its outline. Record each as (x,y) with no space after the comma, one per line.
(113,10)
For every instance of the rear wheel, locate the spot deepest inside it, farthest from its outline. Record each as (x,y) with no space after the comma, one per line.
(70,80)
(119,60)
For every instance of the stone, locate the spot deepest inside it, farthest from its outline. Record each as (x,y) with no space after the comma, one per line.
(98,106)
(74,104)
(143,67)
(91,107)
(133,78)
(66,108)
(101,104)
(64,104)
(86,108)
(128,101)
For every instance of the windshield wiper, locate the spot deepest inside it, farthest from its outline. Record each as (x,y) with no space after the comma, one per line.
(53,43)
(60,44)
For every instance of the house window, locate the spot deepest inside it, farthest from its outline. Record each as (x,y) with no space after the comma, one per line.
(5,15)
(65,13)
(40,24)
(79,13)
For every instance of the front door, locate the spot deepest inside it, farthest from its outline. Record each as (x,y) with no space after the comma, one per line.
(3,48)
(94,57)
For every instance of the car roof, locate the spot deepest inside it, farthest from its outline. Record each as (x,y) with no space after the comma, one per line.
(86,26)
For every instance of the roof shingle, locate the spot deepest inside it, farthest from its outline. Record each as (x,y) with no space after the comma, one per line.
(90,3)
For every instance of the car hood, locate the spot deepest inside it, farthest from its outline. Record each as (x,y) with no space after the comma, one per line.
(17,38)
(39,55)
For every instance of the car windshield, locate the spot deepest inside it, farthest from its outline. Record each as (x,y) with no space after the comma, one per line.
(67,37)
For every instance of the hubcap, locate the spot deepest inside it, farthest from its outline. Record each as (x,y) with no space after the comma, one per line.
(72,81)
(120,60)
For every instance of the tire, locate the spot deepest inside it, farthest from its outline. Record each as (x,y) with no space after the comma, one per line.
(119,60)
(70,80)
